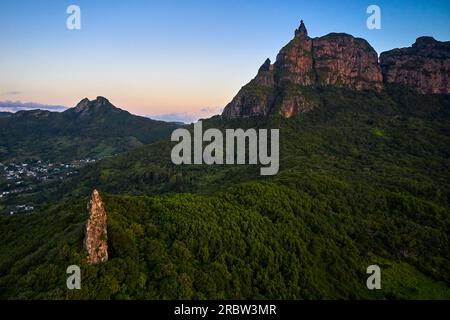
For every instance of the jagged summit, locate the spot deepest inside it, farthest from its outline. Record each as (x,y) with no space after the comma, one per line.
(99,106)
(83,104)
(301,31)
(265,66)
(86,103)
(101,100)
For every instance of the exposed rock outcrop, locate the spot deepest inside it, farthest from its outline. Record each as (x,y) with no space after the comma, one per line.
(424,67)
(336,59)
(344,61)
(95,242)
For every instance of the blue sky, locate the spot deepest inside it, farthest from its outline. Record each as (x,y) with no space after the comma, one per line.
(178,57)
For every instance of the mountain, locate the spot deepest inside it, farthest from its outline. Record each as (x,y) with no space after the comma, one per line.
(306,65)
(92,129)
(284,87)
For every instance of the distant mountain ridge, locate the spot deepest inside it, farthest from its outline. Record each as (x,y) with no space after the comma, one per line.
(15,106)
(91,129)
(289,86)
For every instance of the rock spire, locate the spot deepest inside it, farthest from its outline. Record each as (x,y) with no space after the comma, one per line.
(95,242)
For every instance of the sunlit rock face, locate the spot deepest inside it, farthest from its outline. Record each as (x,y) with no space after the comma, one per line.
(95,242)
(424,67)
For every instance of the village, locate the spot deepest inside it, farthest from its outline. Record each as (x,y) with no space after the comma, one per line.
(19,179)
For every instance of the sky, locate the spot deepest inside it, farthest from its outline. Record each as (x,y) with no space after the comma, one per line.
(178,60)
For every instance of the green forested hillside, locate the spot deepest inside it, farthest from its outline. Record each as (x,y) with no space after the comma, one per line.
(363,180)
(96,130)
(400,144)
(257,240)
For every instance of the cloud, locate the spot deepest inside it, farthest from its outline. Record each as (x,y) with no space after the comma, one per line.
(13,93)
(174,117)
(211,110)
(14,106)
(186,117)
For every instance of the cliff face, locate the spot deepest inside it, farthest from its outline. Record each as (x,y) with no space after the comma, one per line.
(424,67)
(340,60)
(344,61)
(336,59)
(95,242)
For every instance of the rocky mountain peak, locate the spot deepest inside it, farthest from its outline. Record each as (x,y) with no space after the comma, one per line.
(265,67)
(301,31)
(86,103)
(82,106)
(101,101)
(95,242)
(88,108)
(83,103)
(336,59)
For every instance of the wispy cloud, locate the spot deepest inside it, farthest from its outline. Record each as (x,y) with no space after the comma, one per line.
(13,93)
(14,106)
(174,117)
(211,110)
(187,117)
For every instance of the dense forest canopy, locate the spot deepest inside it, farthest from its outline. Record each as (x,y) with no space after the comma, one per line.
(364,179)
